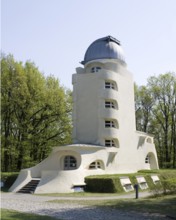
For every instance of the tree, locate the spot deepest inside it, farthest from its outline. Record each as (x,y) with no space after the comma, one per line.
(35,114)
(143,106)
(156,104)
(164,95)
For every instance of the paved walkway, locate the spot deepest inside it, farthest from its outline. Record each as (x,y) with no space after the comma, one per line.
(71,211)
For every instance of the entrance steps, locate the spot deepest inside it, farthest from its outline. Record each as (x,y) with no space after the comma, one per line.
(30,186)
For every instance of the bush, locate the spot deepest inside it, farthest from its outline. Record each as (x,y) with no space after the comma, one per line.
(156,189)
(111,183)
(149,181)
(103,184)
(8,179)
(167,184)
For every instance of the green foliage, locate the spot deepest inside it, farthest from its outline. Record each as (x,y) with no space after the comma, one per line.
(11,214)
(148,171)
(168,182)
(155,106)
(8,179)
(111,183)
(36,114)
(103,185)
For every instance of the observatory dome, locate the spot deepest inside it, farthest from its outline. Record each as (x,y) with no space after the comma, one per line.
(104,48)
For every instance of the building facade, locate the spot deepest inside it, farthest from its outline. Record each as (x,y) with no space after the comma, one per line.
(105,140)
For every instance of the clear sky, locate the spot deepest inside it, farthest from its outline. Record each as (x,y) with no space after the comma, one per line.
(55,34)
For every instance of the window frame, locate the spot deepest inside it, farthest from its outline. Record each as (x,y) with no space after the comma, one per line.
(110,143)
(110,124)
(110,85)
(110,104)
(95,69)
(70,162)
(95,165)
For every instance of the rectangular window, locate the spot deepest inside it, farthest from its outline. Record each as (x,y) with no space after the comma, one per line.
(109,124)
(109,104)
(109,143)
(95,69)
(109,85)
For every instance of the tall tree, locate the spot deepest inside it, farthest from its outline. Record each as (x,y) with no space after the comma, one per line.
(143,106)
(156,113)
(35,114)
(162,89)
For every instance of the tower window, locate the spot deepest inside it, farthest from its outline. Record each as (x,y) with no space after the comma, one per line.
(70,163)
(109,124)
(109,143)
(110,85)
(95,69)
(109,104)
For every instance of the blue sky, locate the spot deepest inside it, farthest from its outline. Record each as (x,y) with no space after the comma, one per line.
(54,34)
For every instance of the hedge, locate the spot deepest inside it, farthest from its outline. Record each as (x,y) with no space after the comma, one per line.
(111,183)
(8,179)
(103,184)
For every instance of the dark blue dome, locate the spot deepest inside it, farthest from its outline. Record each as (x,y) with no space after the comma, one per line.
(104,48)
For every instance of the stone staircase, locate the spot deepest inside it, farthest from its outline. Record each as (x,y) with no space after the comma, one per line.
(30,187)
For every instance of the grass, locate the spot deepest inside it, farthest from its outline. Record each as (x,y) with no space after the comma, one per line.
(83,194)
(10,214)
(165,205)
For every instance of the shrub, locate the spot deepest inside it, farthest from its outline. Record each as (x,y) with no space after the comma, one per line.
(167,184)
(109,184)
(8,179)
(156,189)
(150,181)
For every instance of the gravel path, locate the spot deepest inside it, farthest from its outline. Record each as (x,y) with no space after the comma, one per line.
(40,205)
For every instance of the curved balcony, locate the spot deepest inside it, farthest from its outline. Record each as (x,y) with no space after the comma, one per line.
(110,132)
(109,94)
(108,75)
(108,113)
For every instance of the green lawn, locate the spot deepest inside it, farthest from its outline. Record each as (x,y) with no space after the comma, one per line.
(14,215)
(165,205)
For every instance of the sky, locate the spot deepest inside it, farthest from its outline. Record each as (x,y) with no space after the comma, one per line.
(55,34)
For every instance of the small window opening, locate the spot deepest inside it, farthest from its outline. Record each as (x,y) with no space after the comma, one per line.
(109,104)
(147,159)
(70,163)
(95,165)
(110,143)
(109,124)
(109,85)
(95,69)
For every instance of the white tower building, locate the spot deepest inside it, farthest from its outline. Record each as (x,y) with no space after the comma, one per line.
(103,97)
(105,140)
